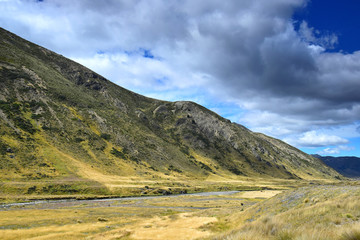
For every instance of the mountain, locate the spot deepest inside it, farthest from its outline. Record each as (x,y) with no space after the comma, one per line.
(61,122)
(347,166)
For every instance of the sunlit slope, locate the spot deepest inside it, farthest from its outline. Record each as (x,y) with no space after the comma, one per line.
(60,120)
(316,212)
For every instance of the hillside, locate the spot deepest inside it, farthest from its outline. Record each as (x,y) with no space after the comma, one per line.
(65,129)
(347,166)
(317,212)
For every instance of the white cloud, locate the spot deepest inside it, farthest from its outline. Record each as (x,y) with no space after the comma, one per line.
(136,71)
(329,151)
(316,37)
(335,150)
(244,52)
(314,139)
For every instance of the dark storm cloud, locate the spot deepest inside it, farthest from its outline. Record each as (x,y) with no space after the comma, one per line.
(266,61)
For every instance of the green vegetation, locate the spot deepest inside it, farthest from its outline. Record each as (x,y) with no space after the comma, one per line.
(62,123)
(66,132)
(117,153)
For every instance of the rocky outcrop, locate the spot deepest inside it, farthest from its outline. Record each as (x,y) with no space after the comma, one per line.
(50,102)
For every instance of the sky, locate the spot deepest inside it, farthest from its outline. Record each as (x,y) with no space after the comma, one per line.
(286,68)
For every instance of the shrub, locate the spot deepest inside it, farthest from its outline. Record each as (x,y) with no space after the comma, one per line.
(285,235)
(185,149)
(36,116)
(78,140)
(105,136)
(3,148)
(100,219)
(31,190)
(117,153)
(24,124)
(172,168)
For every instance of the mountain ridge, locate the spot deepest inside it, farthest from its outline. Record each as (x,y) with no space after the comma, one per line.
(348,166)
(60,120)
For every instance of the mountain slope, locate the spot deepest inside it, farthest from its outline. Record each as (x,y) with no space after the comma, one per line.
(347,166)
(60,120)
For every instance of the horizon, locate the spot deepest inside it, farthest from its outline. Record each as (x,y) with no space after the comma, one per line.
(240,60)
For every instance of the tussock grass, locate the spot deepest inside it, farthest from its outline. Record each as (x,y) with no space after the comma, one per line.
(352,234)
(318,212)
(323,212)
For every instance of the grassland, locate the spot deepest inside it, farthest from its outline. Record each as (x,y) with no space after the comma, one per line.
(94,184)
(317,212)
(65,130)
(167,217)
(312,212)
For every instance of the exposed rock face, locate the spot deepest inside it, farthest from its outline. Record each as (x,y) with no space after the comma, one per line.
(50,102)
(211,125)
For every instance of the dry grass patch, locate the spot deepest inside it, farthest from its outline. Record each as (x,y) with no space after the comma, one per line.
(184,226)
(259,194)
(322,213)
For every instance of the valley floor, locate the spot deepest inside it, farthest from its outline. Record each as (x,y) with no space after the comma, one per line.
(308,212)
(187,216)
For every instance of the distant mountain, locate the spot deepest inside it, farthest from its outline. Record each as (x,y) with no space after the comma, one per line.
(347,166)
(60,120)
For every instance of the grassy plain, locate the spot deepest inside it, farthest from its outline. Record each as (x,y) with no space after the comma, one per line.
(165,217)
(310,211)
(95,184)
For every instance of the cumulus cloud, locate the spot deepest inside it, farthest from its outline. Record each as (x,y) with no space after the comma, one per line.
(314,139)
(245,52)
(335,150)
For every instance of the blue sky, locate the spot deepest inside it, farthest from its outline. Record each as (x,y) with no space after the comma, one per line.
(340,18)
(289,69)
(333,16)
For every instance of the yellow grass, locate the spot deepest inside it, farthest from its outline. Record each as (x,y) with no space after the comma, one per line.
(318,212)
(325,212)
(184,226)
(131,222)
(259,194)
